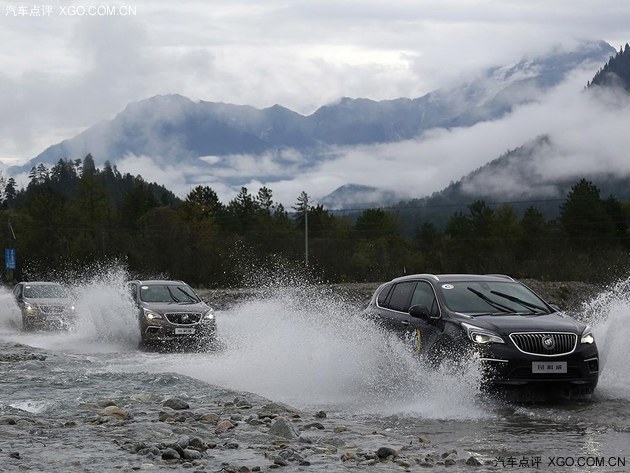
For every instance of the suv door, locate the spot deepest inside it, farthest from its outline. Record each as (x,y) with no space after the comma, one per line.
(426,329)
(420,333)
(394,309)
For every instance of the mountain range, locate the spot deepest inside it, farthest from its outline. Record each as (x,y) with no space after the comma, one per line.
(174,130)
(525,176)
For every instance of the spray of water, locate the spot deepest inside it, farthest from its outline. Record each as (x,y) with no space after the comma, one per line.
(10,316)
(609,315)
(309,347)
(106,311)
(105,316)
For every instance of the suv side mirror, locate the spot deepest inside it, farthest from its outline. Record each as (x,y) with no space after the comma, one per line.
(420,311)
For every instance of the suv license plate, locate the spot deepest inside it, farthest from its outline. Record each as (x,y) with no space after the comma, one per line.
(549,367)
(184,331)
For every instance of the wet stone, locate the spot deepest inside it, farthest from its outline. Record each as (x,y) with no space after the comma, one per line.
(183,441)
(170,454)
(224,426)
(278,460)
(114,411)
(210,418)
(190,454)
(197,444)
(176,403)
(313,425)
(282,427)
(385,452)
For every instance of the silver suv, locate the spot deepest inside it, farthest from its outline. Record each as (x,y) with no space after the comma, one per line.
(172,312)
(44,305)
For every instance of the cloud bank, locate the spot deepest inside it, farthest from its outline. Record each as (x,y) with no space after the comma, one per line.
(61,74)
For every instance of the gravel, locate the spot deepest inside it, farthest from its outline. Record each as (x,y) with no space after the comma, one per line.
(112,426)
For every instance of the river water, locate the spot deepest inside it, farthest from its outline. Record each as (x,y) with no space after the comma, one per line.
(304,346)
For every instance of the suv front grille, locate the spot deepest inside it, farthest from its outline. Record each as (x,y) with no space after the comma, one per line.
(183,318)
(545,343)
(52,309)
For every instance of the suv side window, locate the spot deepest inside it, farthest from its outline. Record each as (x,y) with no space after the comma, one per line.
(401,296)
(133,290)
(382,296)
(424,295)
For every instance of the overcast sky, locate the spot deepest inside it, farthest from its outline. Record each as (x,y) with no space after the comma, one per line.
(64,69)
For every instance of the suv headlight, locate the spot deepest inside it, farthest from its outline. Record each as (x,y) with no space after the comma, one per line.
(587,336)
(481,335)
(149,314)
(209,315)
(30,309)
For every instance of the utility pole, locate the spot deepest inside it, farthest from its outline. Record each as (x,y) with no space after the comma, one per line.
(306,229)
(11,228)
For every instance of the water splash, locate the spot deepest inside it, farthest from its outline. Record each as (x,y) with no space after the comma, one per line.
(307,346)
(609,315)
(105,314)
(10,316)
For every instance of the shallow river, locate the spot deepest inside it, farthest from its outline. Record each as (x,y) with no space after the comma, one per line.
(305,347)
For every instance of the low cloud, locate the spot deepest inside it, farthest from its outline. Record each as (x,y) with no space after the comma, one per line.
(61,74)
(586,130)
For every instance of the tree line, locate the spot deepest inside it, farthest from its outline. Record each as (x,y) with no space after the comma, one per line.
(76,215)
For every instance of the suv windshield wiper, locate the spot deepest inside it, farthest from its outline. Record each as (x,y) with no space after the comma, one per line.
(170,293)
(491,302)
(191,299)
(529,305)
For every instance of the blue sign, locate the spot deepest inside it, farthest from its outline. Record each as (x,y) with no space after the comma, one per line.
(9,258)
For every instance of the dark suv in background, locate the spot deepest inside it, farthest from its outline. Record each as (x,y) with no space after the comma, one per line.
(171,312)
(518,337)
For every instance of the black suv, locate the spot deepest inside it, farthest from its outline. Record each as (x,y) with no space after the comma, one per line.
(519,338)
(172,312)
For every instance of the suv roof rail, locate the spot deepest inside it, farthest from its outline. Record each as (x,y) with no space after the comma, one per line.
(504,276)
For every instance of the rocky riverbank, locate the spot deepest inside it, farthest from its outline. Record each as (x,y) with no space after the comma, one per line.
(133,422)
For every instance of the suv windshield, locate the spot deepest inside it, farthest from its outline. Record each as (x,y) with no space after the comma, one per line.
(45,291)
(481,297)
(168,293)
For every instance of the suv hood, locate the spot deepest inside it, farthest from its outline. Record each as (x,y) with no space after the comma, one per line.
(164,307)
(55,301)
(506,324)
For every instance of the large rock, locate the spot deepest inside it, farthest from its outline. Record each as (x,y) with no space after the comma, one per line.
(282,427)
(176,403)
(114,411)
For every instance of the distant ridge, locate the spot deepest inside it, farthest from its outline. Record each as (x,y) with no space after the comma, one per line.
(173,130)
